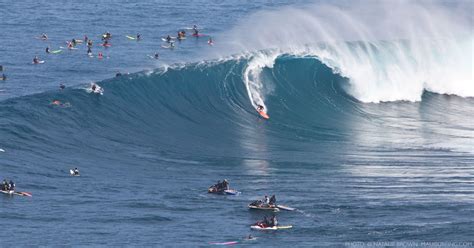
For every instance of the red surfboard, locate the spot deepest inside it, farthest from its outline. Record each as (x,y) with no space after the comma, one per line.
(264,115)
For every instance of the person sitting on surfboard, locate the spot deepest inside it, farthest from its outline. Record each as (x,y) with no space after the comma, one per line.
(260,108)
(47,49)
(139,36)
(272,201)
(5,185)
(274,221)
(195,30)
(4,77)
(75,171)
(210,41)
(11,185)
(44,36)
(168,39)
(62,86)
(36,60)
(157,56)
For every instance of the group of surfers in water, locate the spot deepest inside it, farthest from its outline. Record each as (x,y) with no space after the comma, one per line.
(219,187)
(7,186)
(272,221)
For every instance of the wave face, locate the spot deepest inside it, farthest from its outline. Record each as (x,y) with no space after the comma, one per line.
(203,109)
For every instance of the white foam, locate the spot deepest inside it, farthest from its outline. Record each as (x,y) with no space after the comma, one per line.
(389,50)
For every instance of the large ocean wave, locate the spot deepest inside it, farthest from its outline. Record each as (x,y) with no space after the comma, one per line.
(203,109)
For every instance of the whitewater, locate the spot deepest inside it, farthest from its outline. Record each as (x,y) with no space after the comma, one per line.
(370,136)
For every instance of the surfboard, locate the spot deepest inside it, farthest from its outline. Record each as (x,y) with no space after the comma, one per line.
(264,208)
(283,207)
(199,35)
(12,192)
(224,243)
(39,62)
(1,150)
(167,47)
(231,192)
(56,51)
(263,115)
(256,227)
(23,194)
(106,45)
(130,37)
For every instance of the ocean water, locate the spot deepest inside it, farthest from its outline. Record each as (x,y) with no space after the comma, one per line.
(370,136)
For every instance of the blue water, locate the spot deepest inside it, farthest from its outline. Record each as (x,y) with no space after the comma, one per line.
(148,149)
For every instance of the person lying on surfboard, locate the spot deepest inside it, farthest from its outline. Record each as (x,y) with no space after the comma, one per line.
(267,222)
